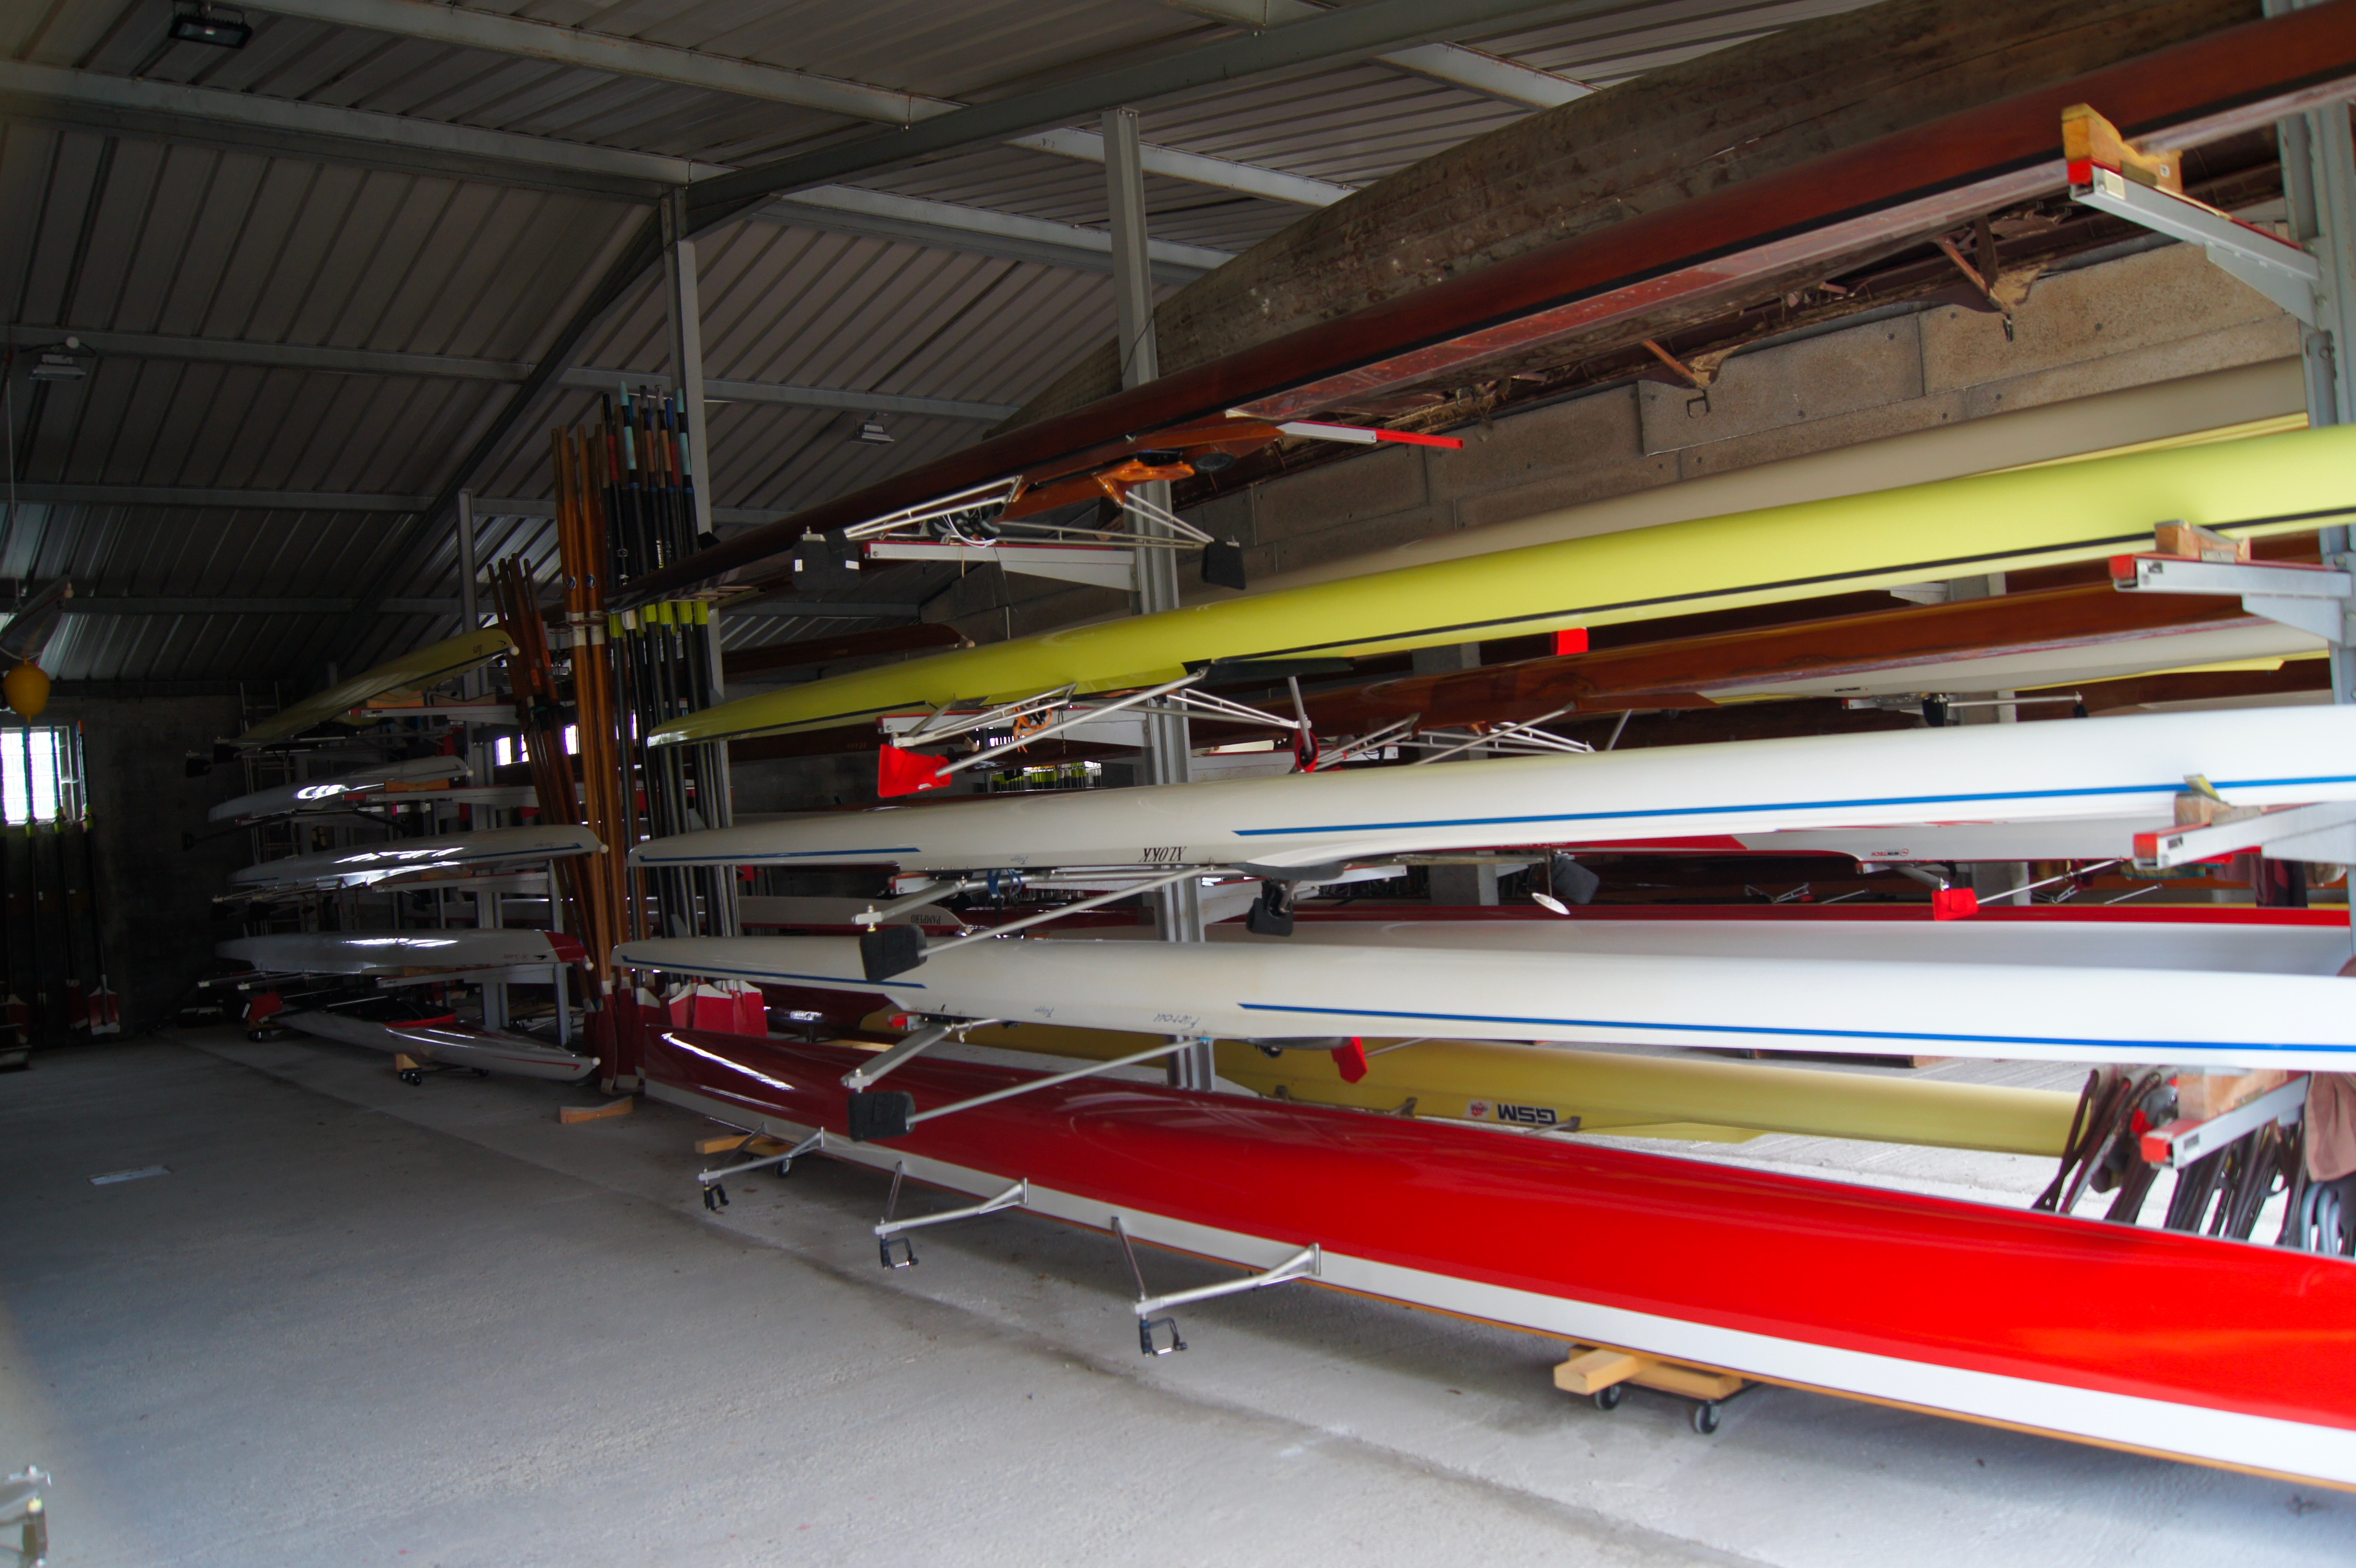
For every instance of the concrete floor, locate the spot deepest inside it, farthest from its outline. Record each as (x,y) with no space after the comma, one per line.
(363,1323)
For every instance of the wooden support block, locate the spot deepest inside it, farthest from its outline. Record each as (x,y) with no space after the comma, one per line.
(2197,543)
(759,1147)
(2087,137)
(1595,1371)
(2201,1096)
(721,1145)
(402,1063)
(568,1114)
(1591,1370)
(1691,1382)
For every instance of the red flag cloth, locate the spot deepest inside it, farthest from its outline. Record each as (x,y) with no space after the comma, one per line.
(1954,904)
(1352,1059)
(899,772)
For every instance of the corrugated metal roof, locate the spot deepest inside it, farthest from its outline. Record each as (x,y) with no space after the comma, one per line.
(129,232)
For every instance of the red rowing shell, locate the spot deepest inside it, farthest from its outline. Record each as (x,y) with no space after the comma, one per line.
(2222,1351)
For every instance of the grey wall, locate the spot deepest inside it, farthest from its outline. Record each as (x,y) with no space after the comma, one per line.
(155,898)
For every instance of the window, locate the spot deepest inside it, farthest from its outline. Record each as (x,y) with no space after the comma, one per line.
(506,751)
(40,774)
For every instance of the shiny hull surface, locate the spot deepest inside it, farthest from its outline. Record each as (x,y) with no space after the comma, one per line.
(449,1045)
(1280,991)
(2123,773)
(2201,1349)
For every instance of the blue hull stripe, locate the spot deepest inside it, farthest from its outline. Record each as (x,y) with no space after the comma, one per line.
(1893,1034)
(2171,788)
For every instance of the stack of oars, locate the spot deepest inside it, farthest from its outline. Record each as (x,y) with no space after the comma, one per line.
(595,888)
(625,504)
(648,487)
(580,532)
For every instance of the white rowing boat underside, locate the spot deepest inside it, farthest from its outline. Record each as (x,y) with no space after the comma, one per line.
(312,794)
(368,952)
(370,863)
(449,1045)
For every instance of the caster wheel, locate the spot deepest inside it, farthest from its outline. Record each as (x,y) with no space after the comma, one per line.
(481,1071)
(1704,1417)
(412,1079)
(1608,1399)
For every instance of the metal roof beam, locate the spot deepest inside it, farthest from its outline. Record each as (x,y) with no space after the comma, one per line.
(202,606)
(1487,74)
(820,609)
(42,494)
(326,131)
(950,226)
(718,389)
(460,26)
(1327,38)
(279,356)
(1333,37)
(292,129)
(192,496)
(381,362)
(1220,173)
(524,506)
(464,28)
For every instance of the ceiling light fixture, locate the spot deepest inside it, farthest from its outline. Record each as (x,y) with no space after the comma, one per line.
(871,432)
(70,365)
(201,24)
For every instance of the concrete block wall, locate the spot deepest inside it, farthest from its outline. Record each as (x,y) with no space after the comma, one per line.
(2149,317)
(801,783)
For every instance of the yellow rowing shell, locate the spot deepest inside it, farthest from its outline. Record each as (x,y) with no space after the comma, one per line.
(1986,522)
(419,667)
(1686,1097)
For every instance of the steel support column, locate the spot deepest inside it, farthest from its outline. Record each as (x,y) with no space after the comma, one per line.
(720,811)
(2319,168)
(473,683)
(470,614)
(680,296)
(1178,909)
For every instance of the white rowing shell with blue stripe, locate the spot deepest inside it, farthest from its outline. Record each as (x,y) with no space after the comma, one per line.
(1233,990)
(2125,771)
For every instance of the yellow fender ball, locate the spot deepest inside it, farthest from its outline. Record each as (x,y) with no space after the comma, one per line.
(27,687)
